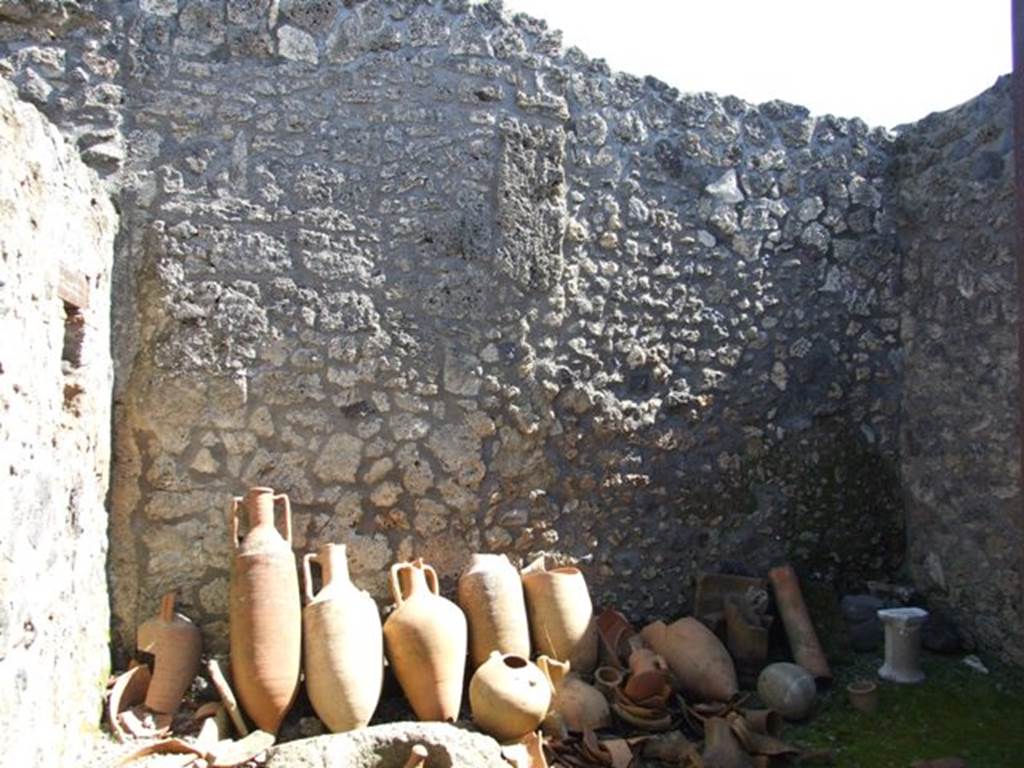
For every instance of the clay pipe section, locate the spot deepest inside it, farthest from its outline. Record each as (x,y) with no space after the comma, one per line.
(803,640)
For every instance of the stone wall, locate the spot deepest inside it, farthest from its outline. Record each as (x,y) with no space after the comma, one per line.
(960,436)
(454,288)
(55,387)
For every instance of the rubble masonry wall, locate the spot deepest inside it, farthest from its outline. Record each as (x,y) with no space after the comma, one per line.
(56,378)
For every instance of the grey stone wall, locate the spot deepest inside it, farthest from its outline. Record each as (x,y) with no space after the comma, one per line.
(960,440)
(55,387)
(454,288)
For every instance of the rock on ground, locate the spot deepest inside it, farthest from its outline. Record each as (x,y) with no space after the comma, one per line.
(387,746)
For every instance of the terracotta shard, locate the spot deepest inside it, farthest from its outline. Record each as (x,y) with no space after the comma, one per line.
(227,696)
(129,690)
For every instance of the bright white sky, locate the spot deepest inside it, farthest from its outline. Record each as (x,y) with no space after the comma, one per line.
(886,61)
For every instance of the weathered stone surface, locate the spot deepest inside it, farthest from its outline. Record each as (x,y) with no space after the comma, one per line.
(577,311)
(55,389)
(960,439)
(472,293)
(387,746)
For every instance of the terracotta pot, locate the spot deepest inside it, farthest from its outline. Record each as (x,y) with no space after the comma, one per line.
(491,595)
(787,688)
(863,695)
(576,705)
(344,648)
(615,635)
(696,657)
(176,648)
(426,638)
(803,640)
(266,618)
(561,614)
(509,696)
(721,747)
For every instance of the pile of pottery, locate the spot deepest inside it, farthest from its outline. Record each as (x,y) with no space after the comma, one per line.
(537,656)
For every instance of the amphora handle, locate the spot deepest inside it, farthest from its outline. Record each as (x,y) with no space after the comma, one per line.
(286,531)
(307,574)
(429,574)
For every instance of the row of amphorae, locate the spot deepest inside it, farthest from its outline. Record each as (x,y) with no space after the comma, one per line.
(339,640)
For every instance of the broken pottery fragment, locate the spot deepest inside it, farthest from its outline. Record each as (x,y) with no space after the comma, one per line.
(721,747)
(575,705)
(561,615)
(528,752)
(128,690)
(615,636)
(227,696)
(176,646)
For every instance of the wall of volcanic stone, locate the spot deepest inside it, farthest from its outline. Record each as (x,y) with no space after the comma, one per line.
(454,288)
(960,439)
(55,386)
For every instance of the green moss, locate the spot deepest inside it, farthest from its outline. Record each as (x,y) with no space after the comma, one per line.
(957,712)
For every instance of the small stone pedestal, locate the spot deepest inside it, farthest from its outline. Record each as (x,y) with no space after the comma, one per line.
(902,644)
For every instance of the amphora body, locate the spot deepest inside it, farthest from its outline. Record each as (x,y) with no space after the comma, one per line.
(491,595)
(265,629)
(696,657)
(344,648)
(176,646)
(561,613)
(426,639)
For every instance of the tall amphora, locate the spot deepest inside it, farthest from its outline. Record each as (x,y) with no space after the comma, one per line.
(426,642)
(491,594)
(344,648)
(266,644)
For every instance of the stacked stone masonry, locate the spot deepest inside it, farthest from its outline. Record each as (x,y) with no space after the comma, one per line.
(55,386)
(960,436)
(456,288)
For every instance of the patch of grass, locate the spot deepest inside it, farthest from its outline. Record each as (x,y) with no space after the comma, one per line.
(956,712)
